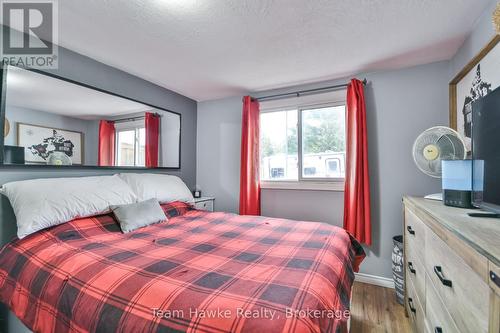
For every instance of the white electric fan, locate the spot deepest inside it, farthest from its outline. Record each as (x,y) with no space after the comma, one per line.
(434,145)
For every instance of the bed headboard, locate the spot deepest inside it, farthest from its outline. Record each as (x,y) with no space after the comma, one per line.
(8,230)
(8,226)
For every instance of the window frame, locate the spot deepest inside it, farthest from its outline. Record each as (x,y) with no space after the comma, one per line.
(125,128)
(305,183)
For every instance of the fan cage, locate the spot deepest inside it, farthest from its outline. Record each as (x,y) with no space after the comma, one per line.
(449,142)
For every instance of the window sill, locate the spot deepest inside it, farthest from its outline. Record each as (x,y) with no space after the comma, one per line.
(337,186)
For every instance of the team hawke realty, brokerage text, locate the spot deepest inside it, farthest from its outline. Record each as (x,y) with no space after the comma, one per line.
(261,313)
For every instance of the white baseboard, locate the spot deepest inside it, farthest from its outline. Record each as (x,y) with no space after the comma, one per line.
(374,279)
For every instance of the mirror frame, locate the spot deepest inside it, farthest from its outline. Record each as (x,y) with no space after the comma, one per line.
(3,94)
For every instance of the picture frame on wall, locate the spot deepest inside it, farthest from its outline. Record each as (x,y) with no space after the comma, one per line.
(479,77)
(40,142)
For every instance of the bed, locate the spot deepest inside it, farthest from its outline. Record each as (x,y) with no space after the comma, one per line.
(198,272)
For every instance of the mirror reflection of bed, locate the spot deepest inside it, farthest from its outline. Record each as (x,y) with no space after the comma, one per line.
(57,122)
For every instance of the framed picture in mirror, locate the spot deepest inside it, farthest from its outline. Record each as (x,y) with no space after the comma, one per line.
(41,142)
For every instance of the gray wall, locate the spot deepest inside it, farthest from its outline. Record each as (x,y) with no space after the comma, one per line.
(218,169)
(83,69)
(218,151)
(322,206)
(400,104)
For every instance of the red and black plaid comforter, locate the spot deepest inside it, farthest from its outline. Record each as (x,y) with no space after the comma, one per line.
(199,272)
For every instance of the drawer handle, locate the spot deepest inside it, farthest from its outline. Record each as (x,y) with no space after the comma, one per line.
(494,278)
(410,304)
(410,230)
(439,272)
(438,330)
(410,267)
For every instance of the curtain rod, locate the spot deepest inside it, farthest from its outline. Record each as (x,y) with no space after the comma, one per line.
(301,92)
(124,120)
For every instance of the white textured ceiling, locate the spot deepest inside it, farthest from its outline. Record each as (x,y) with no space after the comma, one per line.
(208,49)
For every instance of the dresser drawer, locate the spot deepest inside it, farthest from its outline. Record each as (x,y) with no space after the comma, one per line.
(415,233)
(415,272)
(462,291)
(494,277)
(415,310)
(438,319)
(205,205)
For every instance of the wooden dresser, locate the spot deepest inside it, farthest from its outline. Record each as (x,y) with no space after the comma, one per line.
(452,268)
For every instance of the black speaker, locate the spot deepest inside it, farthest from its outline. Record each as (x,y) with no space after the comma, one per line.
(13,155)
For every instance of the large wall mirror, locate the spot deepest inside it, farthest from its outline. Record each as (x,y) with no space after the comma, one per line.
(52,121)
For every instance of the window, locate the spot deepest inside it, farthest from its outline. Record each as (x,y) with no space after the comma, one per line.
(323,142)
(131,147)
(278,145)
(303,143)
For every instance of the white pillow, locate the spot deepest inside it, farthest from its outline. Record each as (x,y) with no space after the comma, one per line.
(42,203)
(138,215)
(165,188)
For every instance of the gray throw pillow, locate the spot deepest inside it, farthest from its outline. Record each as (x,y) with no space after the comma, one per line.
(138,215)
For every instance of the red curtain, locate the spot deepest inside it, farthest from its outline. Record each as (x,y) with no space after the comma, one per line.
(357,181)
(249,176)
(106,154)
(152,139)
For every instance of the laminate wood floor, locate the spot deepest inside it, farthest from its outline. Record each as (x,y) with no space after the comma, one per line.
(374,309)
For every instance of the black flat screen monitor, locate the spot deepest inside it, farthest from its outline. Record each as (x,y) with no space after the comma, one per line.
(486,152)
